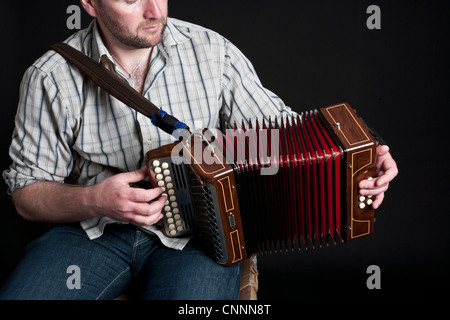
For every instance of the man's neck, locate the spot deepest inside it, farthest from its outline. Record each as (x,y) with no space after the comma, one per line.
(133,63)
(126,55)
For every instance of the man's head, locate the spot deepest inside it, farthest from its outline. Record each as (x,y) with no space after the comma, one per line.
(129,23)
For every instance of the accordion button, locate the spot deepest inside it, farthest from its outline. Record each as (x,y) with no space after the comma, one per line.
(171,226)
(178,223)
(362,198)
(177,217)
(170,220)
(169,215)
(369,202)
(158,170)
(156,163)
(167,208)
(173,198)
(171,192)
(166,172)
(160,183)
(174,204)
(362,205)
(173,232)
(175,210)
(165,165)
(159,177)
(180,228)
(170,186)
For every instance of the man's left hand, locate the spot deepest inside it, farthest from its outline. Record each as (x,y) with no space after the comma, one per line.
(386,170)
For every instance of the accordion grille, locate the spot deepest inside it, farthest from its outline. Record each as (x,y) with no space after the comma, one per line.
(208,226)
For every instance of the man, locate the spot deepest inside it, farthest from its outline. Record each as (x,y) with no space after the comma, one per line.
(76,151)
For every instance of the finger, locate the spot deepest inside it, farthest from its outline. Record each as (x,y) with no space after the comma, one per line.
(389,173)
(146,214)
(134,176)
(368,183)
(375,190)
(382,150)
(144,195)
(378,200)
(382,179)
(148,209)
(157,205)
(143,221)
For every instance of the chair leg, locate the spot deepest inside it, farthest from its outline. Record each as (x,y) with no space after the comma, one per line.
(249,279)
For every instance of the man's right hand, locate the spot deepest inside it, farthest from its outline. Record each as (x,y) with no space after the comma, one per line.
(116,199)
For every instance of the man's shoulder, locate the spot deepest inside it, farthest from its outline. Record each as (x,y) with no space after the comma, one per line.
(188,26)
(192,30)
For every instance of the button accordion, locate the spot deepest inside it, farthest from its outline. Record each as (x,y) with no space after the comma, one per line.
(283,184)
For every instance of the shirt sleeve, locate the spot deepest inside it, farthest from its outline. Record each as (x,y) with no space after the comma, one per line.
(40,149)
(244,97)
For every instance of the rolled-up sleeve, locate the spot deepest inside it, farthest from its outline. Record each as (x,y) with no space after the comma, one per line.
(40,148)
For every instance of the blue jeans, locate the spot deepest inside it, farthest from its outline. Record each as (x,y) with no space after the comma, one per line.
(65,264)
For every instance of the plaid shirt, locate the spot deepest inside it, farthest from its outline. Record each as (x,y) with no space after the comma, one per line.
(69,130)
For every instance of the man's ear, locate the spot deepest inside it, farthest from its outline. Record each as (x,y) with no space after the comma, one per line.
(90,6)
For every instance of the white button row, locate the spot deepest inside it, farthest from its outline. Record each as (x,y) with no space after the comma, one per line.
(172,215)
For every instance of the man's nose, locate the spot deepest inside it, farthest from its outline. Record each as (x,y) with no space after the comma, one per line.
(151,9)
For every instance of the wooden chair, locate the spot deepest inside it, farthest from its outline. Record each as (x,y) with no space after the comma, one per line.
(249,279)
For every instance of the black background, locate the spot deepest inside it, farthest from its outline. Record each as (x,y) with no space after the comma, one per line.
(311,54)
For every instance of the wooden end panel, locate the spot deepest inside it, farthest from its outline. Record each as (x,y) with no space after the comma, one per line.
(161,152)
(231,218)
(210,165)
(360,214)
(359,159)
(347,126)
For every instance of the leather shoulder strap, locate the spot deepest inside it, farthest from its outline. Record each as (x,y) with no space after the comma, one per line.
(118,88)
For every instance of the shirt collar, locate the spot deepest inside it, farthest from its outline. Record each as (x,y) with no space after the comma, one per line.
(174,35)
(99,50)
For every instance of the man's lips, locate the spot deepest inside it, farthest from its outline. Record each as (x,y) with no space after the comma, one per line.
(152,27)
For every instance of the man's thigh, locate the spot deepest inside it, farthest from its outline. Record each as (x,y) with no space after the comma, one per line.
(65,264)
(188,274)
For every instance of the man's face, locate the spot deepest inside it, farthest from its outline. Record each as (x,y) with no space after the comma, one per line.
(134,23)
